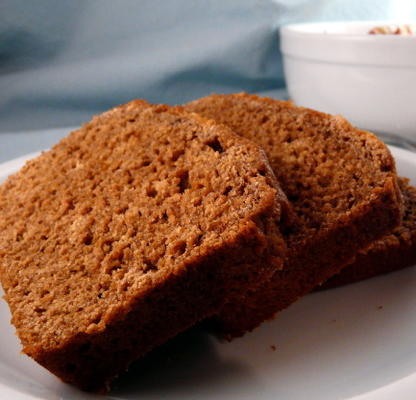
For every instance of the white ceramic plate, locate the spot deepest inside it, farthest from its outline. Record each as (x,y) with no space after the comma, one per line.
(356,342)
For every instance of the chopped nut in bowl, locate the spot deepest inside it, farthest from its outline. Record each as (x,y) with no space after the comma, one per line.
(404,29)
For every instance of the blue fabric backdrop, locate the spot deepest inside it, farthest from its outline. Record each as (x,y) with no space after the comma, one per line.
(62,61)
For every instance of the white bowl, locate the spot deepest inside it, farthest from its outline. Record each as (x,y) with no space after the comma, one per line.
(339,68)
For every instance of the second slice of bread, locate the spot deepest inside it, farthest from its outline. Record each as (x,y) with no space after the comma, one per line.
(341,182)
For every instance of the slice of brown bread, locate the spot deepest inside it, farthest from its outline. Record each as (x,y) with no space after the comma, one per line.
(341,182)
(391,253)
(130,230)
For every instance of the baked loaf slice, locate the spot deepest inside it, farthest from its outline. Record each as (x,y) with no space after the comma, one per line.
(341,182)
(130,230)
(391,253)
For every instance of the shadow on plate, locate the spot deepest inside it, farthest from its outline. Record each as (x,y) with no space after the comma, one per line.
(334,344)
(189,365)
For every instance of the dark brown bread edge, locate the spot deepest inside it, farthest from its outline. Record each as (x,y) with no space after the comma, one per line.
(315,263)
(379,260)
(91,362)
(374,264)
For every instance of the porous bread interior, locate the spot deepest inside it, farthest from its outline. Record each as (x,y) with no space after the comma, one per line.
(342,185)
(324,165)
(115,208)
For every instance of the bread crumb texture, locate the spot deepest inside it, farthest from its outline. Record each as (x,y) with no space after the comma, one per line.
(130,230)
(325,166)
(341,182)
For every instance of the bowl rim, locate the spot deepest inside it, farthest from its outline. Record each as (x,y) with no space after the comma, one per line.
(311,41)
(310,29)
